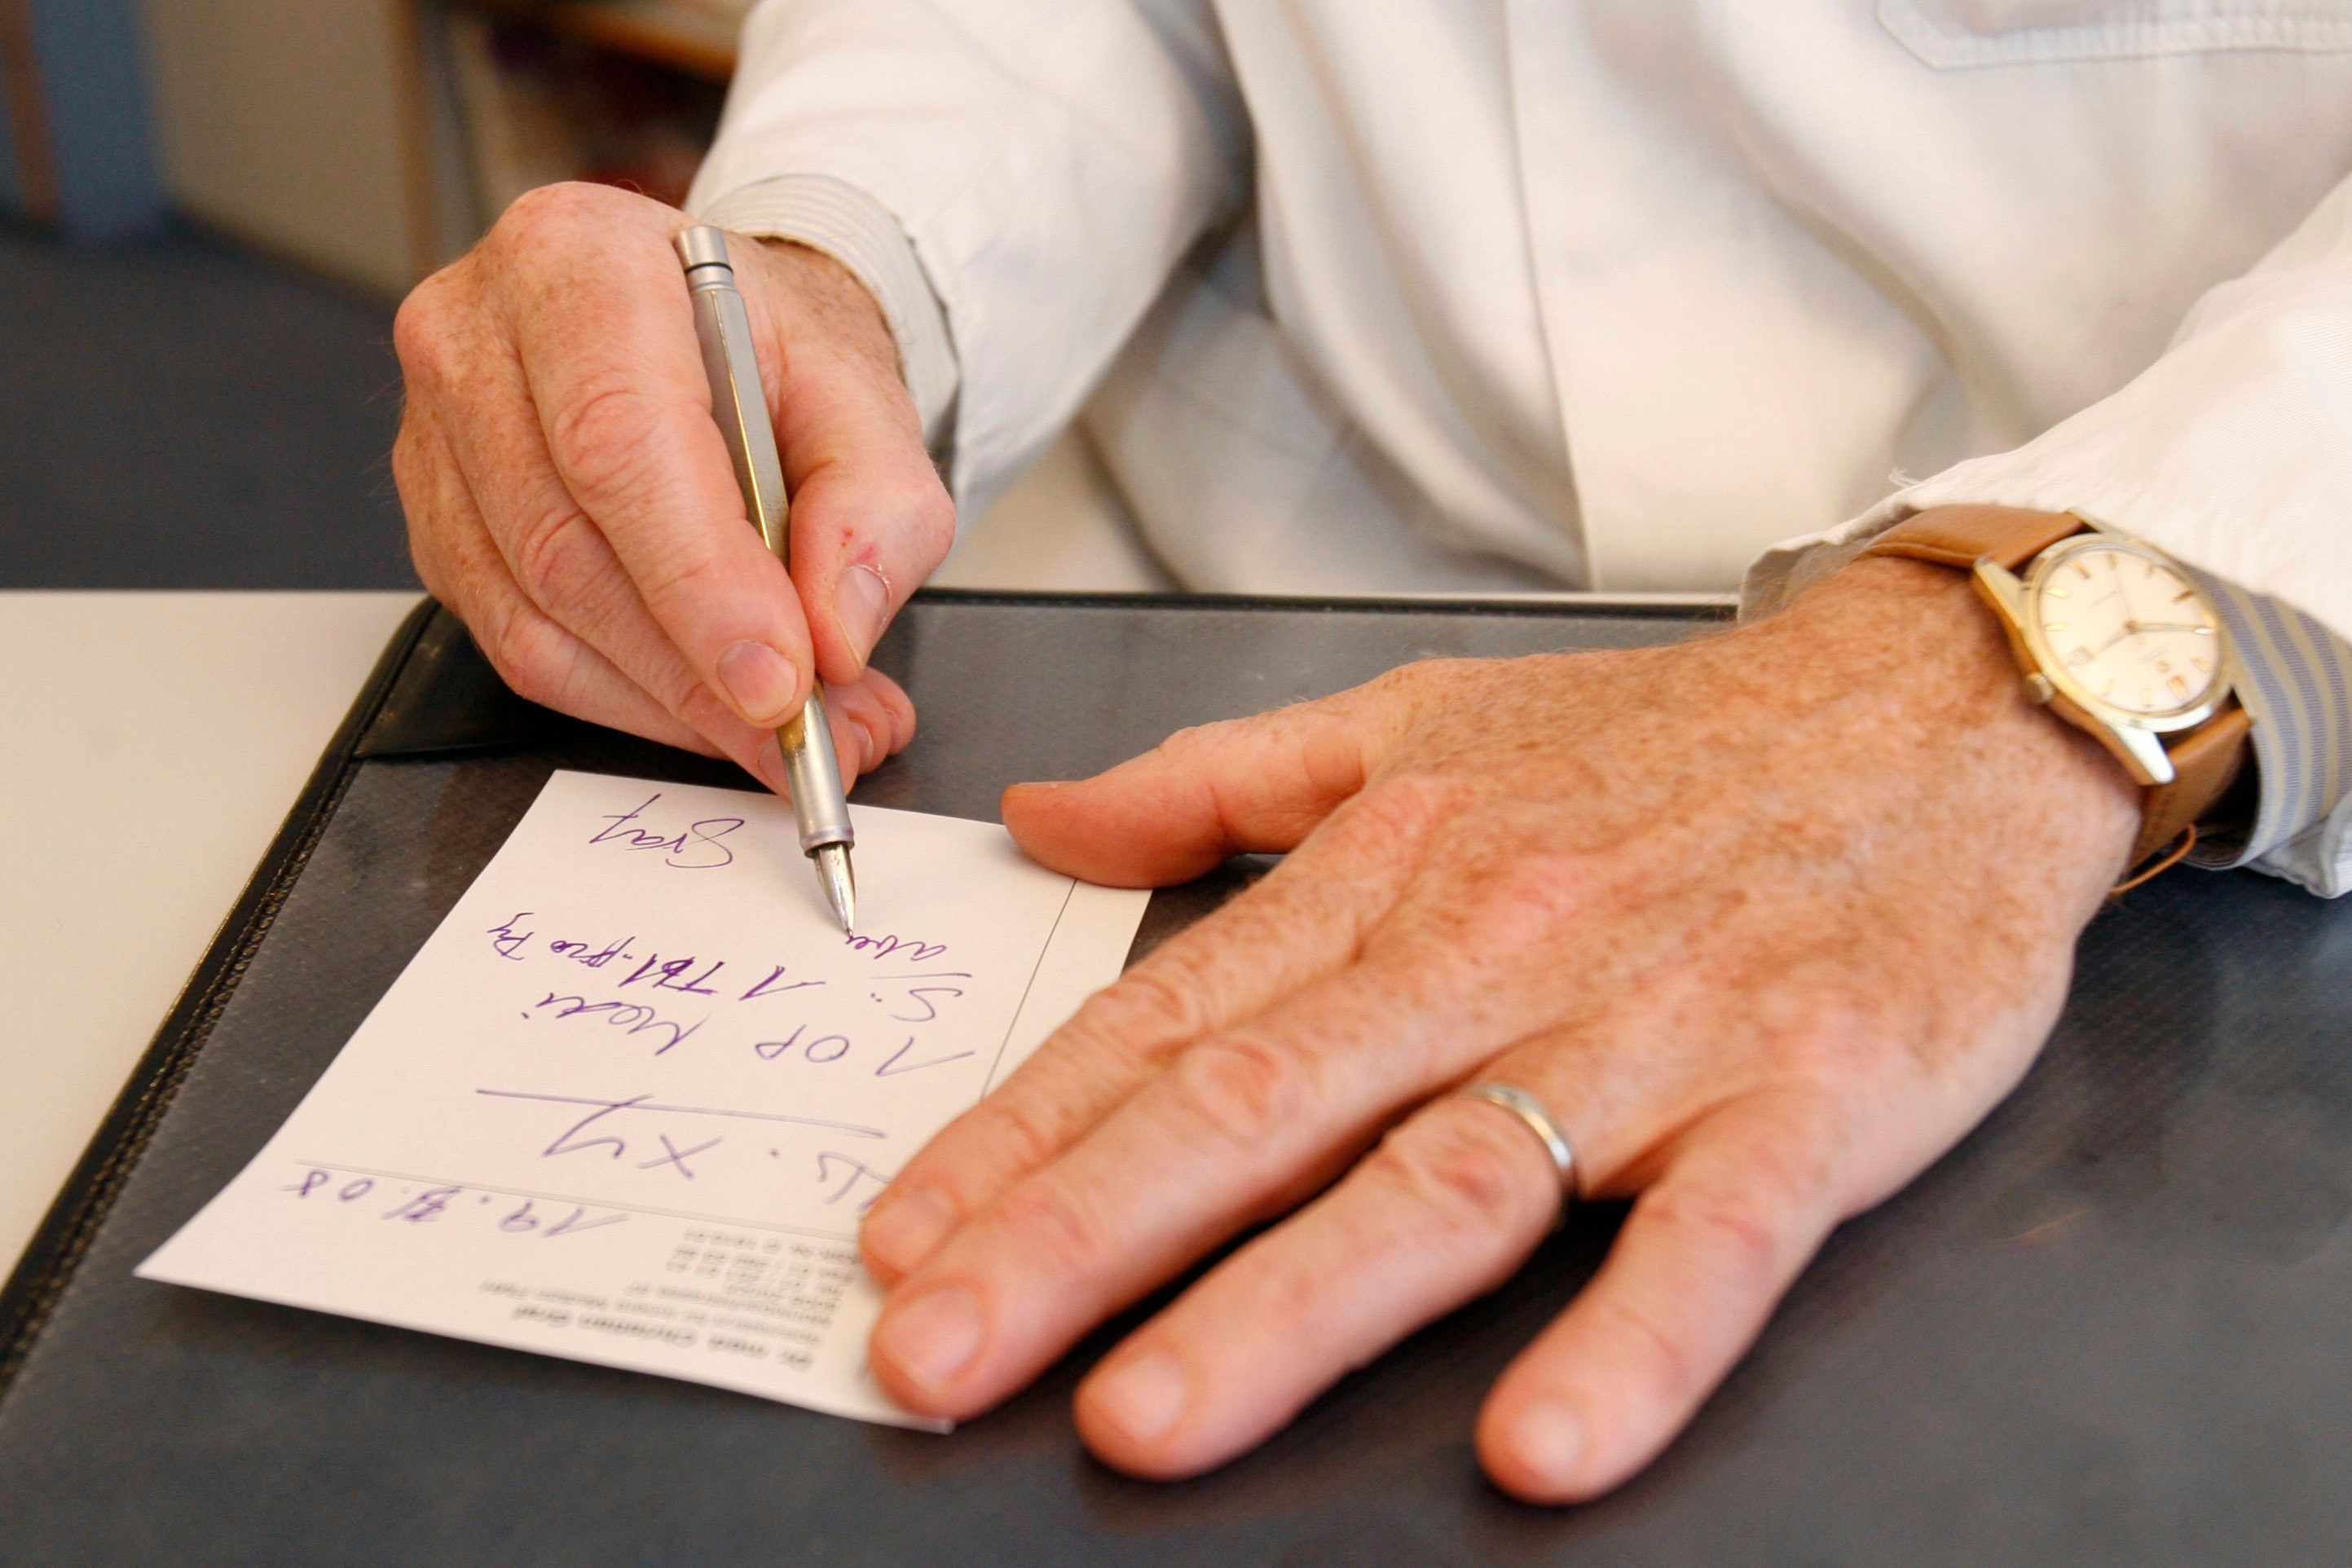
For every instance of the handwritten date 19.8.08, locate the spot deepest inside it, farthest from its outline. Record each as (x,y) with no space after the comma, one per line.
(413,1202)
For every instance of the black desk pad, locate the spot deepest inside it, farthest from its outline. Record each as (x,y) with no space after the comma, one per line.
(2113,1327)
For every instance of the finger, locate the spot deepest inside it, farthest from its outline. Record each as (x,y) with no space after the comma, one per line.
(1247,785)
(872,715)
(896,704)
(1299,925)
(1703,1258)
(604,331)
(870,520)
(537,658)
(1234,1131)
(1446,1209)
(555,553)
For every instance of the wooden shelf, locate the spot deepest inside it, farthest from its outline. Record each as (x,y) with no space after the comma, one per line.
(681,36)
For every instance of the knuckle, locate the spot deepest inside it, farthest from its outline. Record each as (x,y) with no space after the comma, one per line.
(1242,1091)
(1829,1028)
(549,215)
(1795,1170)
(1523,906)
(698,706)
(1150,1001)
(419,327)
(1401,680)
(1461,1172)
(1408,682)
(1022,1137)
(552,552)
(931,517)
(1405,808)
(1732,1243)
(523,651)
(1053,1230)
(597,433)
(683,577)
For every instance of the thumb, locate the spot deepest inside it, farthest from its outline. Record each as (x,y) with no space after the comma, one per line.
(870,520)
(1245,787)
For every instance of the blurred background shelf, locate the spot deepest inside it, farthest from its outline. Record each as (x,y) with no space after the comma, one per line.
(698,38)
(515,94)
(375,140)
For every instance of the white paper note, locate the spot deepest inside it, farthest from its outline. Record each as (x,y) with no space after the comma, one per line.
(628,1102)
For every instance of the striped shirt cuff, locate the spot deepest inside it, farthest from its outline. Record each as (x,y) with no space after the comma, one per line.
(2294,677)
(837,218)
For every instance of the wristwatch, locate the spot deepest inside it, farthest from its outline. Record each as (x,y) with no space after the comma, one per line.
(2114,638)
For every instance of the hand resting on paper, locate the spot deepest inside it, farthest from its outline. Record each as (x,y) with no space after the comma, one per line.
(1768,921)
(569,495)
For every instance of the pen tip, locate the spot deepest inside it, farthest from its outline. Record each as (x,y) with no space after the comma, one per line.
(840,884)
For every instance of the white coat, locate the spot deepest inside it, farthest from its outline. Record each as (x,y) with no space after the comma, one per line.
(1615,294)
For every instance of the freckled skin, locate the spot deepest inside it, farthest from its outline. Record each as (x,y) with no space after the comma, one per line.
(1769,921)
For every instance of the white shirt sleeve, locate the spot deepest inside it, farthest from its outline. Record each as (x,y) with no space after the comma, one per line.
(1047,162)
(851,227)
(2232,452)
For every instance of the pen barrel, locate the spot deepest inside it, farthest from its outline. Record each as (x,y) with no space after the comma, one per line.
(812,769)
(738,398)
(738,406)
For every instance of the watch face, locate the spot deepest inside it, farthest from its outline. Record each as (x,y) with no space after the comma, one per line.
(2127,629)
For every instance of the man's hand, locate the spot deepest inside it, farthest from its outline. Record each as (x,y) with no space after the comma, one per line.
(1768,921)
(569,495)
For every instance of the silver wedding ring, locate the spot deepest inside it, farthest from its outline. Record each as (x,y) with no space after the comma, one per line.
(1530,1109)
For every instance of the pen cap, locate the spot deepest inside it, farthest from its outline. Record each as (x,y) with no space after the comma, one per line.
(703,246)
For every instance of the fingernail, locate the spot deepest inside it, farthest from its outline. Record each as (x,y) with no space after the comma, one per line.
(760,681)
(861,602)
(1550,1437)
(932,1337)
(1141,1396)
(902,1230)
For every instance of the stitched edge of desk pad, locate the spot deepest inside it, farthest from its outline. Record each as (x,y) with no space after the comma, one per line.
(65,1232)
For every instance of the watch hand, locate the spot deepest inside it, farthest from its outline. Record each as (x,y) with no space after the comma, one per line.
(2123,589)
(2168,626)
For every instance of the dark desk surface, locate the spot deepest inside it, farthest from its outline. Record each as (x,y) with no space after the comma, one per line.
(2109,1329)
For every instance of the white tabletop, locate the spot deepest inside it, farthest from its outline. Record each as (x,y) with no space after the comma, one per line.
(149,746)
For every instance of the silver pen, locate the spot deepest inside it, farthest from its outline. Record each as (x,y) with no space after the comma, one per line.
(739,404)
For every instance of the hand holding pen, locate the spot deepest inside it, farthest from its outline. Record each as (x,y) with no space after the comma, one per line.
(570,497)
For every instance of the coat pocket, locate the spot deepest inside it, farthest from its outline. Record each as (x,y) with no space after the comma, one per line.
(1958,35)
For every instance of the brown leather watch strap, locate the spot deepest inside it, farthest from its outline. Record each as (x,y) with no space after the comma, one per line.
(1962,535)
(2205,763)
